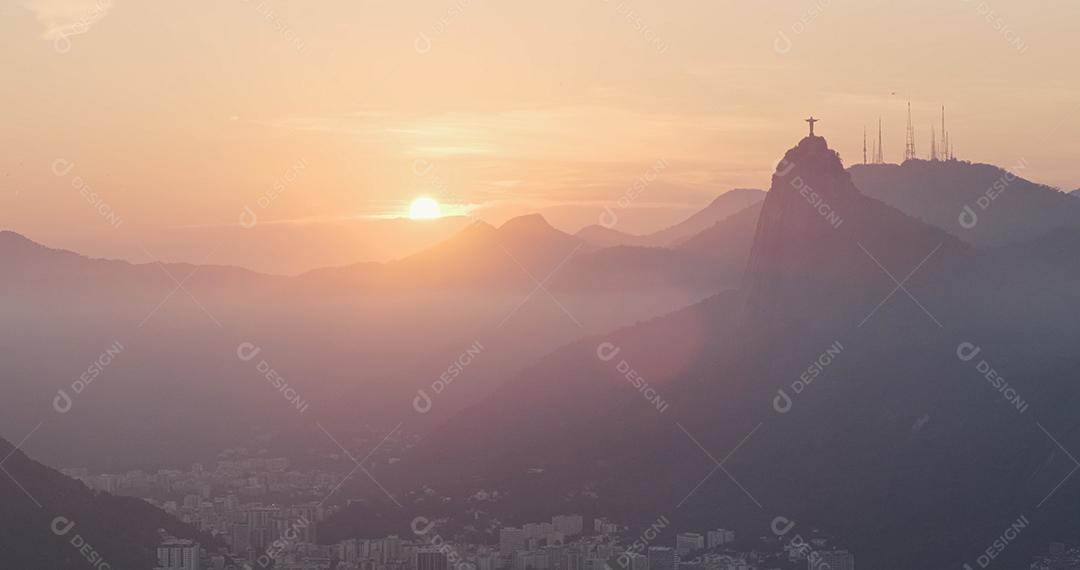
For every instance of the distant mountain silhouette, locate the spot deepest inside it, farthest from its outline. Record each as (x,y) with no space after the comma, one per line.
(528,247)
(895,440)
(479,254)
(293,247)
(726,243)
(23,254)
(1075,192)
(600,236)
(713,259)
(720,208)
(40,502)
(482,284)
(723,206)
(980,203)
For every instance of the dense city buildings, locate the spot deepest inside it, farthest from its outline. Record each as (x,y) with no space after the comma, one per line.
(176,554)
(832,560)
(511,540)
(662,558)
(687,542)
(430,558)
(719,537)
(267,513)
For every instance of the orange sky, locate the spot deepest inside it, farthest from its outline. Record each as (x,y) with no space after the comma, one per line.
(173,118)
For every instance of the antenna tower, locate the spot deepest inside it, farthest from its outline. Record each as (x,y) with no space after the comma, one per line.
(909,147)
(879,152)
(933,143)
(864,144)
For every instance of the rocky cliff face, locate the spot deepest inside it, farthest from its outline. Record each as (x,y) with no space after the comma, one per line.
(820,241)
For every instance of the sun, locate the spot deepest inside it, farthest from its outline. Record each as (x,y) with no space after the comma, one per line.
(424,208)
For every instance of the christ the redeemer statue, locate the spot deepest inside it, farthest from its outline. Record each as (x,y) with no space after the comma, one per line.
(812,120)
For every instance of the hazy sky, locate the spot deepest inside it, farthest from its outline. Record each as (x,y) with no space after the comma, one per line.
(173,117)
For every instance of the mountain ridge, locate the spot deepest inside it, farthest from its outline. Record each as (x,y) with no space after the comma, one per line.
(861,452)
(719,208)
(983,204)
(54,516)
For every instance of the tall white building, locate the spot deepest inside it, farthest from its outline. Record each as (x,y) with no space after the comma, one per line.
(530,560)
(687,542)
(511,539)
(569,525)
(661,558)
(391,548)
(487,560)
(431,558)
(537,530)
(719,537)
(605,526)
(178,554)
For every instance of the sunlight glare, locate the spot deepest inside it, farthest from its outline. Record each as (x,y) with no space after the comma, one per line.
(424,208)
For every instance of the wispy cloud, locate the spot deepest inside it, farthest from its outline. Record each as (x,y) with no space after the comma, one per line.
(586,155)
(570,132)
